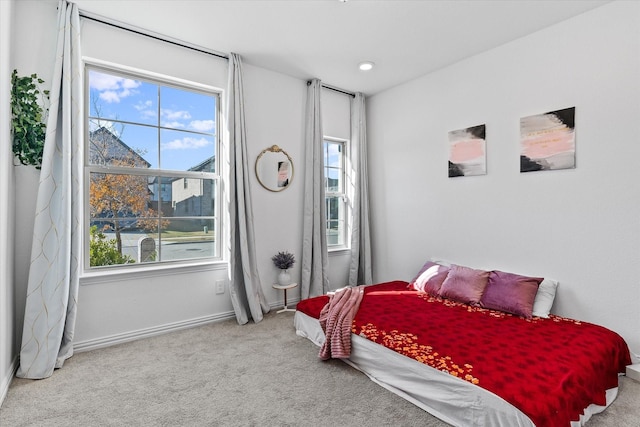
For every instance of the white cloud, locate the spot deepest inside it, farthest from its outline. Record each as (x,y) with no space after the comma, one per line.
(202,125)
(125,93)
(109,96)
(112,88)
(174,124)
(141,106)
(186,144)
(130,84)
(175,115)
(148,114)
(95,124)
(101,81)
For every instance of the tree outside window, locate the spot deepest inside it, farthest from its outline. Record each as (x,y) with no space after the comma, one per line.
(148,139)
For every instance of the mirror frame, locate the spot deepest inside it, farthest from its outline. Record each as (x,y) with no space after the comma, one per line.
(274,149)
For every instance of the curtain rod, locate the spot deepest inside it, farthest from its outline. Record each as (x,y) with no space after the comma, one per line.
(137,30)
(150,34)
(335,89)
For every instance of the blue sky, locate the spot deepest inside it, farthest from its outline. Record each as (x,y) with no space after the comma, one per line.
(333,160)
(115,98)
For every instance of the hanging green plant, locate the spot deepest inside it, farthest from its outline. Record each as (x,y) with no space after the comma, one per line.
(28,118)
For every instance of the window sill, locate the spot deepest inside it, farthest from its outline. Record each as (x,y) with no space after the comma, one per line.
(339,251)
(106,276)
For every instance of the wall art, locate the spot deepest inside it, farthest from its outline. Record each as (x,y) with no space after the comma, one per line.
(467,152)
(547,141)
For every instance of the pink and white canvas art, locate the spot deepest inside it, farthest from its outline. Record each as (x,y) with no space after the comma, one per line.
(548,141)
(467,152)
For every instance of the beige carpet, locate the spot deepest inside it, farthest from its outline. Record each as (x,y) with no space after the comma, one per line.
(224,374)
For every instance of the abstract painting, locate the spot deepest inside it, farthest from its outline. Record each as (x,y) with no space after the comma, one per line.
(283,174)
(467,152)
(547,141)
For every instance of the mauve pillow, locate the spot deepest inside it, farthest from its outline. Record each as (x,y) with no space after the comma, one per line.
(430,278)
(464,284)
(511,293)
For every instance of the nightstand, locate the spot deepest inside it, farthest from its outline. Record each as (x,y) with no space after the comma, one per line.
(284,288)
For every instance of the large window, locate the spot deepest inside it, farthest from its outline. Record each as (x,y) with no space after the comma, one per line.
(335,195)
(151,173)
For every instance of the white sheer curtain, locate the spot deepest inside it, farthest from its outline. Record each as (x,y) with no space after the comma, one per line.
(247,296)
(314,245)
(360,270)
(50,312)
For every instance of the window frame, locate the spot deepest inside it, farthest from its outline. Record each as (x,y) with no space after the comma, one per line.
(88,169)
(344,195)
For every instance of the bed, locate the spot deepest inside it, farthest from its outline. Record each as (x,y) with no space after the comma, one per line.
(445,347)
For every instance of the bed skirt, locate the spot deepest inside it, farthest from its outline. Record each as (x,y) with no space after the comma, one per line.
(448,398)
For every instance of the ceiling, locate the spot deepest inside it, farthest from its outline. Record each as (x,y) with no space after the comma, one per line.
(327,39)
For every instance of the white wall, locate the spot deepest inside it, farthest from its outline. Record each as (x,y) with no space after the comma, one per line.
(122,307)
(580,226)
(7,320)
(278,216)
(29,55)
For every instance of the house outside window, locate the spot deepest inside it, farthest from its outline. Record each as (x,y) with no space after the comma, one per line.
(335,192)
(151,174)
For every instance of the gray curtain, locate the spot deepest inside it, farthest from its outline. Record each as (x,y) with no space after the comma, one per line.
(52,290)
(247,296)
(314,245)
(360,270)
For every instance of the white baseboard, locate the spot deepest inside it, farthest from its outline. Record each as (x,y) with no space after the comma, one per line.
(102,342)
(633,371)
(291,303)
(108,341)
(6,381)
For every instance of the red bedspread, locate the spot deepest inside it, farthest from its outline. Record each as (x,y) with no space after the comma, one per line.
(550,369)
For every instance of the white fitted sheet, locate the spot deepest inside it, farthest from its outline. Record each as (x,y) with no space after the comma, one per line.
(451,399)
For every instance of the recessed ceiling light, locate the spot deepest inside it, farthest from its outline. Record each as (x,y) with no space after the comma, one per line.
(365,66)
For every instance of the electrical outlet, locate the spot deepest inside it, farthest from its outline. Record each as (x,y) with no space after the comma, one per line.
(219,287)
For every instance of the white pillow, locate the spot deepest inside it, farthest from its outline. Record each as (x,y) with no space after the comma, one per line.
(441,261)
(544,298)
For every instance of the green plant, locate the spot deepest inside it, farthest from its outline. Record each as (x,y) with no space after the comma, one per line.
(28,118)
(103,251)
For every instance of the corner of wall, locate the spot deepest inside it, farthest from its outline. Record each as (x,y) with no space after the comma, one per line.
(8,352)
(7,377)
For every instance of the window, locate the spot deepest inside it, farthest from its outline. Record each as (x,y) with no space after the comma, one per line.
(335,195)
(150,170)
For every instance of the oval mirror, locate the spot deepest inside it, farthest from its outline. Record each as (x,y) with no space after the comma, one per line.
(274,169)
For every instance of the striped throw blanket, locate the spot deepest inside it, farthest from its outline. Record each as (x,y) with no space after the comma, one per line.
(336,318)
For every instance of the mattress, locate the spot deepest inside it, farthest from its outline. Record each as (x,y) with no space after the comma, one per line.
(449,398)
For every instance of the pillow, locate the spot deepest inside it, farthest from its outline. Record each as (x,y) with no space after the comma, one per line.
(464,284)
(511,293)
(430,278)
(544,298)
(441,261)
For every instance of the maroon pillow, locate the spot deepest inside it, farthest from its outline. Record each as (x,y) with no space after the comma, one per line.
(511,293)
(430,278)
(464,284)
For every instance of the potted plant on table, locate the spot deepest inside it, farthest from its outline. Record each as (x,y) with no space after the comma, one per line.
(284,261)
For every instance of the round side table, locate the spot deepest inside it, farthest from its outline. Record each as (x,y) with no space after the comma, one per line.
(284,288)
